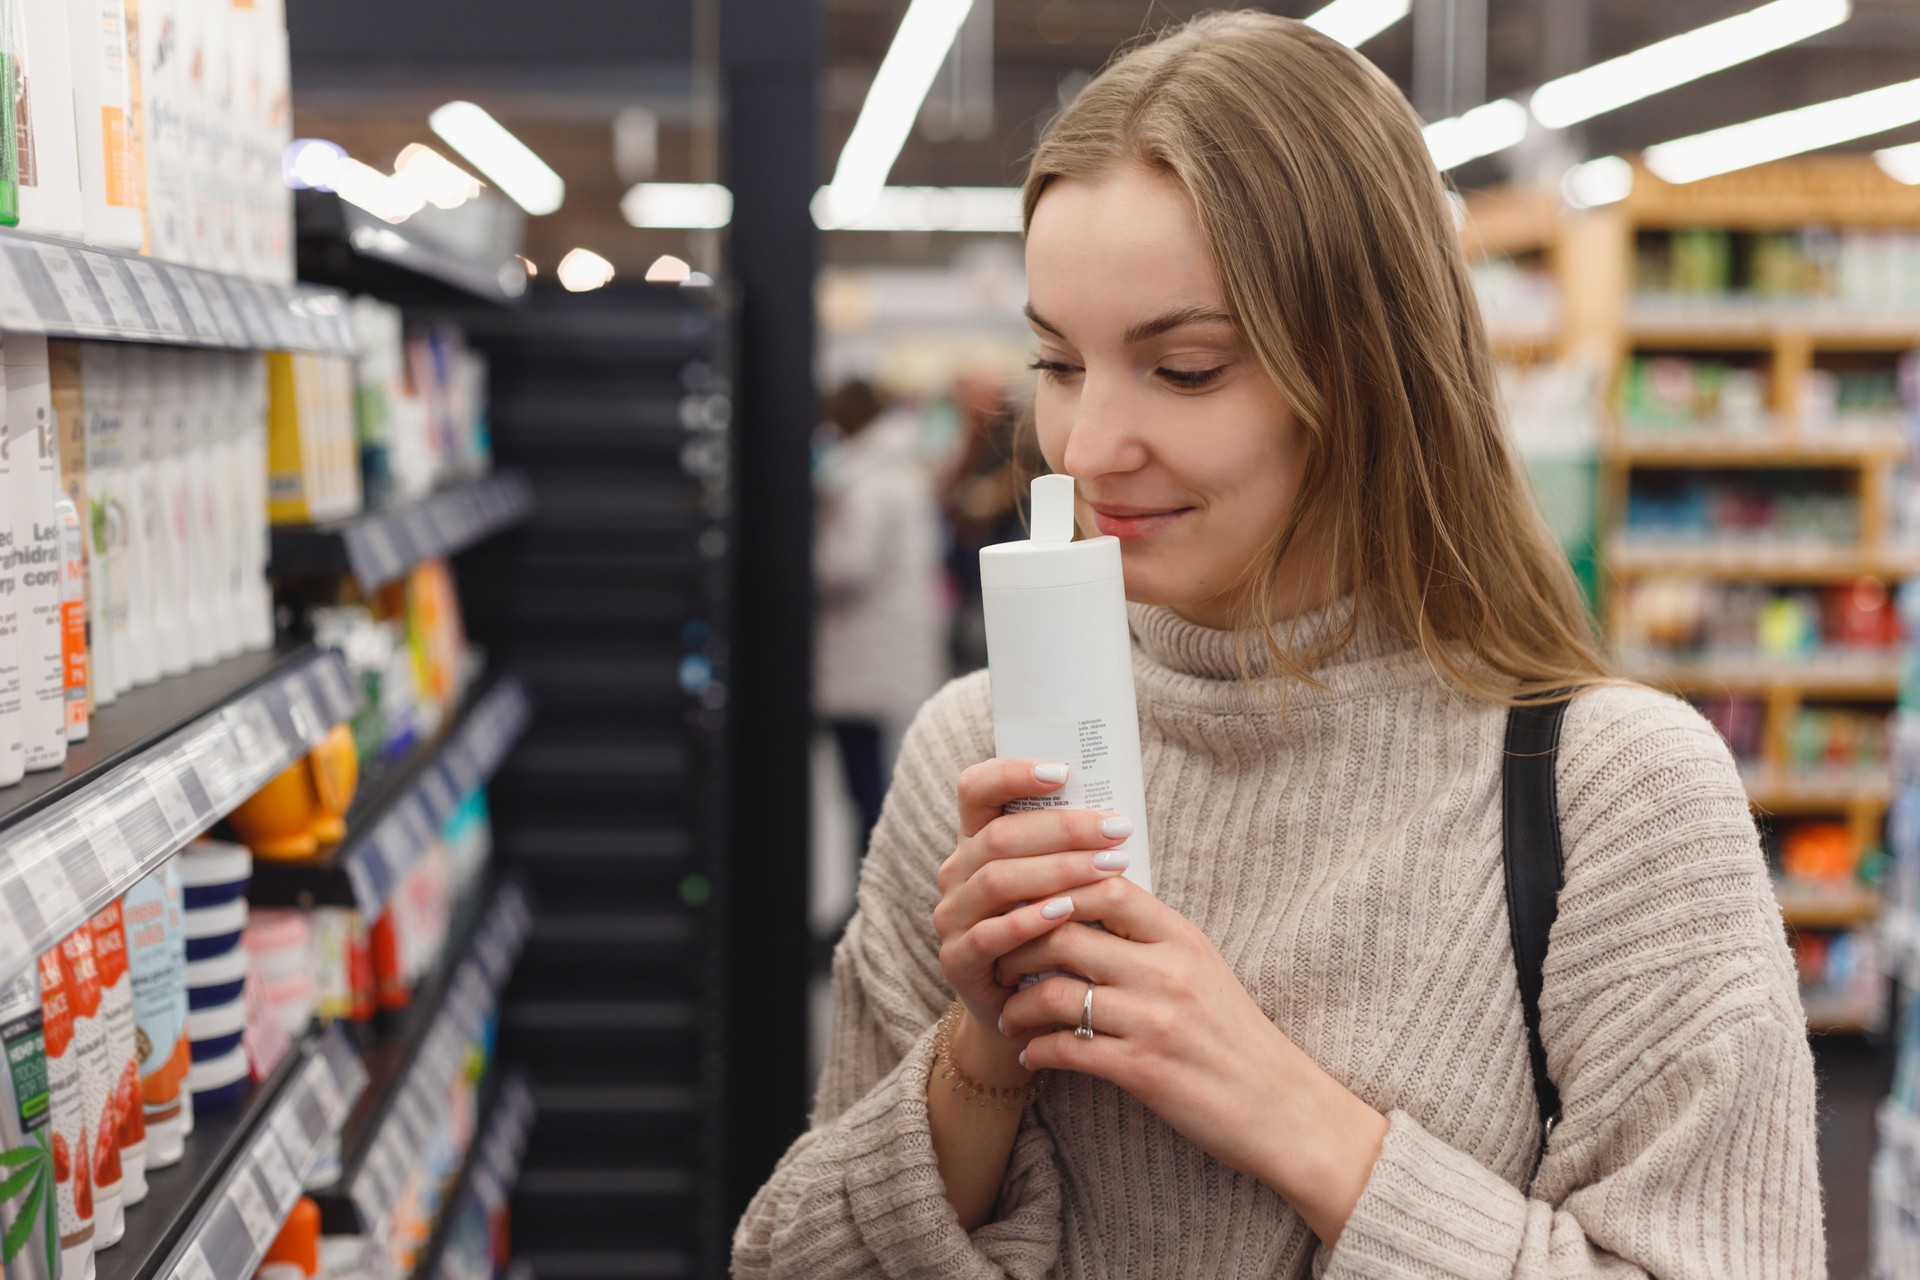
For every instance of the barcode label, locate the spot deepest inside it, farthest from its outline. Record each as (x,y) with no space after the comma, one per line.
(166,791)
(120,304)
(262,1224)
(166,317)
(193,1265)
(70,287)
(199,317)
(16,306)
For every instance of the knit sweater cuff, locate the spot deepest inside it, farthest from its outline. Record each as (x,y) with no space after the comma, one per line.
(900,1204)
(1429,1209)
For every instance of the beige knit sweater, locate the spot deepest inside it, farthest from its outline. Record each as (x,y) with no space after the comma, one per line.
(1345,859)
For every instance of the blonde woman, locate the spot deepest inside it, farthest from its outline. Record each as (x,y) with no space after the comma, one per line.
(1260,357)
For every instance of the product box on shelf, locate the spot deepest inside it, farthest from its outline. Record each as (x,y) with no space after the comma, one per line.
(48,151)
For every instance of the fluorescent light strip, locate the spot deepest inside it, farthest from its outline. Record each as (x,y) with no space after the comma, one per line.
(1607,180)
(582,270)
(976,209)
(509,163)
(893,103)
(690,205)
(1902,164)
(1788,133)
(1354,22)
(1491,127)
(1614,83)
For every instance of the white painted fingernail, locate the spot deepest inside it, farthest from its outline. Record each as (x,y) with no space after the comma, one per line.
(1116,827)
(1062,906)
(1050,773)
(1023,1059)
(1112,860)
(1002,1024)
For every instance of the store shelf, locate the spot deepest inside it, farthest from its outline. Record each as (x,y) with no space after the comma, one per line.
(1702,325)
(1805,905)
(161,765)
(1843,1017)
(488,1172)
(1818,793)
(1733,562)
(395,818)
(378,546)
(1845,676)
(1840,447)
(385,1137)
(67,290)
(345,245)
(215,1213)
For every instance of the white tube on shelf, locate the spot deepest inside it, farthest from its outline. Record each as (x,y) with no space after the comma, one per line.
(1060,665)
(106,124)
(142,655)
(172,498)
(204,549)
(13,745)
(103,519)
(35,484)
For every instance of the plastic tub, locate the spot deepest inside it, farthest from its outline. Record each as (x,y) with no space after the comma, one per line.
(216,981)
(291,1000)
(214,931)
(277,940)
(218,1083)
(214,872)
(216,1032)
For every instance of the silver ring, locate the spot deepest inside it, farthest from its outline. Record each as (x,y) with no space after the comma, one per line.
(1085,1030)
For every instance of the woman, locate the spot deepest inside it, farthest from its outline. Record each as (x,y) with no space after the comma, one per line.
(1261,360)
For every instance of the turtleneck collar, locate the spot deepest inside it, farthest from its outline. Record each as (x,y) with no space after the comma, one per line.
(1196,663)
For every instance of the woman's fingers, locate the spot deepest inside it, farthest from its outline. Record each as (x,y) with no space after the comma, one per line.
(1082,950)
(968,958)
(990,786)
(1057,1002)
(1030,832)
(1008,882)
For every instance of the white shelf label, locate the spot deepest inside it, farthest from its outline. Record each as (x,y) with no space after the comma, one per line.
(16,310)
(46,880)
(245,1194)
(71,286)
(167,792)
(277,1168)
(193,1265)
(199,316)
(108,842)
(154,292)
(114,290)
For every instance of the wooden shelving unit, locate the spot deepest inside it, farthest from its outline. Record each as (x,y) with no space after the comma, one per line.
(1591,258)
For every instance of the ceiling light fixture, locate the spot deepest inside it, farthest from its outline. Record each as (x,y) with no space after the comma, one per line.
(893,103)
(1490,127)
(583,269)
(1902,164)
(1607,180)
(691,205)
(509,163)
(976,209)
(444,184)
(1354,22)
(1666,64)
(1786,133)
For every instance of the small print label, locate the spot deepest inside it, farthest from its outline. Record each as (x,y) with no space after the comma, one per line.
(71,286)
(167,792)
(119,301)
(46,880)
(109,843)
(16,310)
(262,1224)
(199,317)
(193,1265)
(165,315)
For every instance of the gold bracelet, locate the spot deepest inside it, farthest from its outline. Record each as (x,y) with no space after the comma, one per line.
(997,1097)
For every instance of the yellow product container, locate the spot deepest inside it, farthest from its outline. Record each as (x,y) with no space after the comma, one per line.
(336,775)
(277,820)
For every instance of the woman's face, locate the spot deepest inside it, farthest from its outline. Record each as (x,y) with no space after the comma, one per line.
(1149,397)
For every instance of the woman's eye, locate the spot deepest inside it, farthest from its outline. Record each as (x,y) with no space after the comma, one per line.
(1052,368)
(1189,379)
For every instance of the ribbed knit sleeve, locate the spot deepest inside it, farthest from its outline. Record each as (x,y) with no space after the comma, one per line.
(1673,1029)
(859,1194)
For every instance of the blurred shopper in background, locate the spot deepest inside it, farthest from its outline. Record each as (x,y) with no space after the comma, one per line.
(991,465)
(880,650)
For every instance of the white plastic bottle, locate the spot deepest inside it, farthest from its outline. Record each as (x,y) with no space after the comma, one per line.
(36,538)
(104,520)
(106,124)
(173,500)
(138,488)
(1060,664)
(13,744)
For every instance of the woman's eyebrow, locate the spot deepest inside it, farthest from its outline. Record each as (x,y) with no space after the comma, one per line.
(1147,328)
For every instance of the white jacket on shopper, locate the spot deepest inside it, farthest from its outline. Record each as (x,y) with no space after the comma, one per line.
(880,644)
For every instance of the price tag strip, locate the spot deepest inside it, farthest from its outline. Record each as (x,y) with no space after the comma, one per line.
(68,860)
(395,1153)
(75,291)
(244,1211)
(382,545)
(381,858)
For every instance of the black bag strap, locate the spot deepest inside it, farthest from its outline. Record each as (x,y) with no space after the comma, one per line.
(1530,846)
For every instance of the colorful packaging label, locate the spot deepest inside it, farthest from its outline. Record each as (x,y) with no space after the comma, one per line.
(66,1091)
(73,621)
(116,1014)
(157,959)
(29,1225)
(101,1128)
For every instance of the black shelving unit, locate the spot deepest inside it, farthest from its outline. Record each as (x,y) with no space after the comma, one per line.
(490,1168)
(613,602)
(344,246)
(375,547)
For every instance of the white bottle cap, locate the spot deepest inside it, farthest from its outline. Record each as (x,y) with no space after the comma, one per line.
(1050,558)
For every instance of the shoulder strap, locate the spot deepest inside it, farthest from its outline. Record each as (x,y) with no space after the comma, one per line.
(1535,869)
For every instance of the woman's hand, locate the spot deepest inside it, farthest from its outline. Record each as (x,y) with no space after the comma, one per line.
(1008,882)
(1174,1027)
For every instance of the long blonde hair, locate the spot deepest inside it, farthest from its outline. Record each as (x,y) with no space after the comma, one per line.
(1333,239)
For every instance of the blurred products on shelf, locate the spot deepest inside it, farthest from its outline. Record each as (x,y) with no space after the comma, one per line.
(1670,619)
(1857,271)
(1760,510)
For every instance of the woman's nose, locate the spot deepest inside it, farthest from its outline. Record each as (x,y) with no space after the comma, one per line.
(1105,435)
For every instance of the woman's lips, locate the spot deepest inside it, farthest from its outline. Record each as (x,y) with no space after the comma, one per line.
(1131,525)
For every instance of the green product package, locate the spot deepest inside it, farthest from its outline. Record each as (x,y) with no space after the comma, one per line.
(9,95)
(29,1233)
